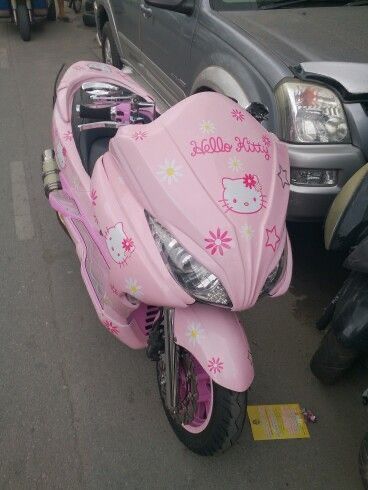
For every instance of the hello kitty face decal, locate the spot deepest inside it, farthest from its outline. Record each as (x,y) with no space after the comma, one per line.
(243,195)
(119,244)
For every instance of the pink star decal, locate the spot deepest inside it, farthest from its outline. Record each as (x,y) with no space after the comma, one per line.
(283,176)
(273,238)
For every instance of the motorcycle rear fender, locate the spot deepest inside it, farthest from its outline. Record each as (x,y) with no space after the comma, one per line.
(216,339)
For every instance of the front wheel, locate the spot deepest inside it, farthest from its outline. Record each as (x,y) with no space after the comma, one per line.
(209,418)
(24,23)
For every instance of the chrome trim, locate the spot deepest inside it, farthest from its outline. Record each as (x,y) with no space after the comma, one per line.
(87,86)
(100,124)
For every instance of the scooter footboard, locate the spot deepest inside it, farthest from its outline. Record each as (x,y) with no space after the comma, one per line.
(217,340)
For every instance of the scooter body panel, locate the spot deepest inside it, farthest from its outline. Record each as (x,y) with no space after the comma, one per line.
(215,179)
(218,342)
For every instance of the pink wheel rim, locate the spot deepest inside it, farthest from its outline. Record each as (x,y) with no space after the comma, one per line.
(203,411)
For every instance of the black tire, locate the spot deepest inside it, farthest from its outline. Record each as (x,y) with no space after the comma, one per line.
(363,461)
(107,39)
(225,425)
(24,23)
(51,11)
(89,20)
(77,6)
(332,359)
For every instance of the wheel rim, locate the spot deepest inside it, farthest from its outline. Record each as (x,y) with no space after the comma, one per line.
(204,396)
(108,55)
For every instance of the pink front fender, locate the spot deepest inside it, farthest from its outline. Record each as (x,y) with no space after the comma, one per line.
(217,340)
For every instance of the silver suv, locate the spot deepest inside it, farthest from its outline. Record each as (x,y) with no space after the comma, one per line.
(306,61)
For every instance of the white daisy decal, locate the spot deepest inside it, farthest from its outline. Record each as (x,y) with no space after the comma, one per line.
(134,289)
(247,231)
(207,127)
(235,164)
(170,172)
(195,333)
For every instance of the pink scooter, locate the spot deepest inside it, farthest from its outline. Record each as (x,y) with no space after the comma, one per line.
(178,222)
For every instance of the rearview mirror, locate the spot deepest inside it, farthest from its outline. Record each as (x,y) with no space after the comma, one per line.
(182,6)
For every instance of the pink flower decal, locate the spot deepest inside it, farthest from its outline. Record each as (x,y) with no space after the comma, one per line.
(128,244)
(139,135)
(68,136)
(114,290)
(215,365)
(93,196)
(266,140)
(238,115)
(273,238)
(218,241)
(78,68)
(64,152)
(111,327)
(249,181)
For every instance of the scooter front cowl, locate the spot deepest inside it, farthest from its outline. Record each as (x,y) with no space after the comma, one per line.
(216,339)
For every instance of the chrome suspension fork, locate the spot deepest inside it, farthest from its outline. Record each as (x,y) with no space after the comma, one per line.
(171,359)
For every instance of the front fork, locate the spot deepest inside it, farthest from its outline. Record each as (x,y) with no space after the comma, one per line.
(171,359)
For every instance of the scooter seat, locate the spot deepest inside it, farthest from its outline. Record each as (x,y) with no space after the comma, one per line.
(90,144)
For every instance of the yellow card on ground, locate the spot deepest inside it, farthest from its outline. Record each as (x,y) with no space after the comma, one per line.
(271,422)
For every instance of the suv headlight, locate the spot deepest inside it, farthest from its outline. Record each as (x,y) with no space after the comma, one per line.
(311,114)
(197,281)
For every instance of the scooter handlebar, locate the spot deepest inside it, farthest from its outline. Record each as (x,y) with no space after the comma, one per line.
(100,113)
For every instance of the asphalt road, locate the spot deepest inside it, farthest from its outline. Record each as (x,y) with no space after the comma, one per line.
(80,410)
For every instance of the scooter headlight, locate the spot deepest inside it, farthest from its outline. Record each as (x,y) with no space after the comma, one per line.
(275,276)
(197,281)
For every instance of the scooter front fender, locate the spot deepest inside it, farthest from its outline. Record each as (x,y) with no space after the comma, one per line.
(216,339)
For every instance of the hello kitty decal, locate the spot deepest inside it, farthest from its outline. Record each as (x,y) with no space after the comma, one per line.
(243,195)
(119,244)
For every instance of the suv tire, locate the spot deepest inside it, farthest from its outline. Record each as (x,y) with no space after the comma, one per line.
(110,54)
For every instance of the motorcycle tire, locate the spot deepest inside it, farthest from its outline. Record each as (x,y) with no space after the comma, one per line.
(89,20)
(332,359)
(24,23)
(224,424)
(77,6)
(110,54)
(51,11)
(363,461)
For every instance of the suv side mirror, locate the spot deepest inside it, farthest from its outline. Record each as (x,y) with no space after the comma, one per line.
(182,6)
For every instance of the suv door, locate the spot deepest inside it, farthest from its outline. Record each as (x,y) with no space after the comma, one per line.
(166,39)
(127,16)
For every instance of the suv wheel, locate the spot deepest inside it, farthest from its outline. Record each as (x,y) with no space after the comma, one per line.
(110,53)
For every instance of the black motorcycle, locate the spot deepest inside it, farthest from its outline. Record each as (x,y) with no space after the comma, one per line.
(346,229)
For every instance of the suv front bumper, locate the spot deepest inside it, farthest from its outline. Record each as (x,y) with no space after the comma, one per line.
(313,202)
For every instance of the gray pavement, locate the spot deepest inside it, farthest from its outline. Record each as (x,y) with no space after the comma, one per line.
(78,409)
